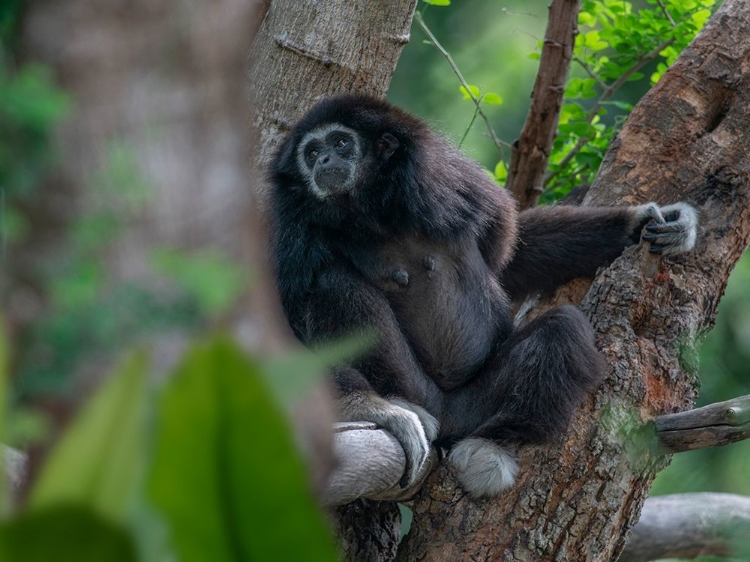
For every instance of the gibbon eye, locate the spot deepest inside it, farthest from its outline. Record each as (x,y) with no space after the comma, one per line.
(341,143)
(312,154)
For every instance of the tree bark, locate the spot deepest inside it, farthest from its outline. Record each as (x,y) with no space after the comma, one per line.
(531,151)
(576,499)
(688,526)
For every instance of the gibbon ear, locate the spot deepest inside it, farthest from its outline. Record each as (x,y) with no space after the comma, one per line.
(387,144)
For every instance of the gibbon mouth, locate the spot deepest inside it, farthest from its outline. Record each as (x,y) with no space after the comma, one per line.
(332,179)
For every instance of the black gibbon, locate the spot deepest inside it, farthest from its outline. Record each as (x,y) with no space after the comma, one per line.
(381,224)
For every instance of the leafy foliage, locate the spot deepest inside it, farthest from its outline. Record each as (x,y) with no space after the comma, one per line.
(221,480)
(617,44)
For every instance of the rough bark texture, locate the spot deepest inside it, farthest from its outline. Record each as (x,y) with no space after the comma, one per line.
(688,139)
(368,531)
(531,151)
(688,526)
(710,426)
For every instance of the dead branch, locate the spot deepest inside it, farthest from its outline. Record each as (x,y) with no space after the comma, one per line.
(688,526)
(710,426)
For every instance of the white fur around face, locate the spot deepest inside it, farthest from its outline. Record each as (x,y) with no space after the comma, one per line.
(320,133)
(483,467)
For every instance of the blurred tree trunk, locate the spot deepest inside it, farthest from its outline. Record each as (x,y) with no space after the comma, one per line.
(157,136)
(687,139)
(158,89)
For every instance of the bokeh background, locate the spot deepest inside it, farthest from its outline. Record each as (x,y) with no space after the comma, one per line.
(124,199)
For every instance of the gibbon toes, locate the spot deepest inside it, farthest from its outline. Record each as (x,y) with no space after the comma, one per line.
(415,429)
(483,467)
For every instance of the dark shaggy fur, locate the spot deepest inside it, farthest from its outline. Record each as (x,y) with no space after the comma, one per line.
(428,251)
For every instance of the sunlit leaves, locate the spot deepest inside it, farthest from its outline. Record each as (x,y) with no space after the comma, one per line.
(475,91)
(501,172)
(492,98)
(437,2)
(616,41)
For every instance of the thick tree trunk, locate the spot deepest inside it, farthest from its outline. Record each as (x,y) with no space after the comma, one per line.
(688,139)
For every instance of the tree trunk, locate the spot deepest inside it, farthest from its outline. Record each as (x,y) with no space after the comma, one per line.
(576,499)
(304,51)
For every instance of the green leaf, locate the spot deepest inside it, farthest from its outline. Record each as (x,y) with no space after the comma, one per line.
(225,473)
(593,41)
(207,276)
(585,18)
(438,2)
(501,172)
(99,457)
(492,99)
(64,534)
(700,18)
(291,375)
(534,56)
(473,89)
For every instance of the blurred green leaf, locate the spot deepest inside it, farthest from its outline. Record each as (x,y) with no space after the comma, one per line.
(99,457)
(26,427)
(501,172)
(121,178)
(207,276)
(64,534)
(492,99)
(292,374)
(438,2)
(225,473)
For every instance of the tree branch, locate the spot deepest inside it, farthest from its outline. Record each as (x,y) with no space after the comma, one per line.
(530,154)
(710,426)
(457,71)
(688,526)
(371,461)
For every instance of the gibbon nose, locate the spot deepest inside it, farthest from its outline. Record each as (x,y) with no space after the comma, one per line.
(324,159)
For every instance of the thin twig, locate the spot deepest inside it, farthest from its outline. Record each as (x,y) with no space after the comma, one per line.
(620,82)
(612,90)
(666,12)
(566,160)
(435,43)
(599,81)
(471,123)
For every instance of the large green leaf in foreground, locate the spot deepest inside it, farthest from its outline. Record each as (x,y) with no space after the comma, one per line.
(64,534)
(225,473)
(98,459)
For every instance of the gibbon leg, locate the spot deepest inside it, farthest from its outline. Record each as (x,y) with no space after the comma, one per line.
(525,394)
